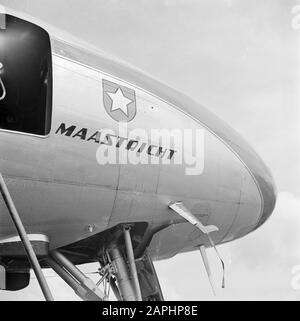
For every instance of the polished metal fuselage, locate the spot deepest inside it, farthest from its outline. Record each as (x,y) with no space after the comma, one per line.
(62,191)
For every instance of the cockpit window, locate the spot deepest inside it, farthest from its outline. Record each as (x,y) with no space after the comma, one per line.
(25,77)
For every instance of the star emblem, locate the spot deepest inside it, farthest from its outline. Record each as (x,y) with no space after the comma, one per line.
(119,101)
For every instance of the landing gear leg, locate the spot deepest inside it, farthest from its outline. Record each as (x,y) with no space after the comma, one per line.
(119,268)
(122,275)
(131,262)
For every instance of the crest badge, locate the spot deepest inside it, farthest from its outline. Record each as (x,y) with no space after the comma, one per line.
(119,101)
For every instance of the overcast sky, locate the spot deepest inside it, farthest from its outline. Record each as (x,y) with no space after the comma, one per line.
(239,58)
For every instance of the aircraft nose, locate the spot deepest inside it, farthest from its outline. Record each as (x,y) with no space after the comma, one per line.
(258,193)
(258,196)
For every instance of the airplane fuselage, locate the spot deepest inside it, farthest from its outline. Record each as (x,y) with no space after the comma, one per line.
(62,190)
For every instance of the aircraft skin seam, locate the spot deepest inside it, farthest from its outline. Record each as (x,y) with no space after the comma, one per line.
(104,188)
(110,218)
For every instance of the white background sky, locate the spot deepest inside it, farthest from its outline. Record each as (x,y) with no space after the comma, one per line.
(239,58)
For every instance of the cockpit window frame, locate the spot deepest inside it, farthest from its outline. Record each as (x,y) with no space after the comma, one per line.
(46,113)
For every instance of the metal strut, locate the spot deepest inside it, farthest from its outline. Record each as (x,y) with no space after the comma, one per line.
(131,262)
(25,240)
(207,267)
(124,280)
(83,286)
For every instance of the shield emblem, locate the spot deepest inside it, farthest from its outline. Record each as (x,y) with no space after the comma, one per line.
(119,101)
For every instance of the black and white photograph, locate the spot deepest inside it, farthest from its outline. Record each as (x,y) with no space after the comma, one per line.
(149,151)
